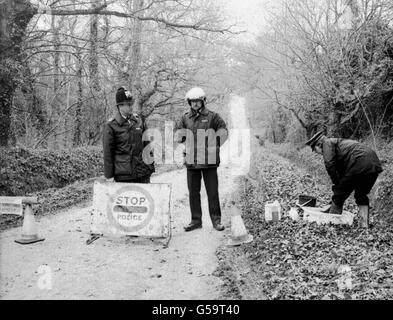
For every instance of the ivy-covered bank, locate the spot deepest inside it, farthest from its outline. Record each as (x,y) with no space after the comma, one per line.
(23,171)
(299,260)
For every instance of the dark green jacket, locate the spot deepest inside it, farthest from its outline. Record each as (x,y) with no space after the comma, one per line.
(123,147)
(348,158)
(203,133)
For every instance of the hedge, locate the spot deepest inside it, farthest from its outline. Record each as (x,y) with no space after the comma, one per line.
(23,171)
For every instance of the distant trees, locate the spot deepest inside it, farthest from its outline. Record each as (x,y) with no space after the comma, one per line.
(330,65)
(61,63)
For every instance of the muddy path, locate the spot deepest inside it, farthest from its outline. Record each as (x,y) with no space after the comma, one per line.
(115,269)
(126,268)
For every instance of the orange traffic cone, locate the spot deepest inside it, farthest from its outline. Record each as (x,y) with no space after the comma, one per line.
(239,233)
(29,231)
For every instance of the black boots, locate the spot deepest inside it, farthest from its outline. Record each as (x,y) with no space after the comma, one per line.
(193,226)
(334,209)
(218,227)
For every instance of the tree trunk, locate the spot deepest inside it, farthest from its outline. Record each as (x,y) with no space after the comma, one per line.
(354,6)
(34,108)
(54,141)
(77,140)
(136,55)
(96,110)
(93,59)
(14,18)
(334,128)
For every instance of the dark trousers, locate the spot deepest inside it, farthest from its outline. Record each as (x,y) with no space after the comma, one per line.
(145,179)
(194,177)
(361,184)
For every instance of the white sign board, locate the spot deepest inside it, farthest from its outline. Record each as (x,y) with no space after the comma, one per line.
(131,209)
(11,205)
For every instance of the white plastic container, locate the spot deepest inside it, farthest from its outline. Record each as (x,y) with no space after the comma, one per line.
(294,214)
(272,211)
(315,215)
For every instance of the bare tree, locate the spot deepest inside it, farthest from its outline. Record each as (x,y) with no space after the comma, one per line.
(152,77)
(322,69)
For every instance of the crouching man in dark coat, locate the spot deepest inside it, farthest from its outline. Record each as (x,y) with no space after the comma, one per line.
(352,166)
(124,145)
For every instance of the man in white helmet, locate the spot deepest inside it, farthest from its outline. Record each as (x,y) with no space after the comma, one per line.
(209,132)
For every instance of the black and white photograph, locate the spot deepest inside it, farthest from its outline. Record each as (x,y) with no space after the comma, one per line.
(196,154)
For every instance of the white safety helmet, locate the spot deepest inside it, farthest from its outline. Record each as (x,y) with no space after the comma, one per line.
(195,94)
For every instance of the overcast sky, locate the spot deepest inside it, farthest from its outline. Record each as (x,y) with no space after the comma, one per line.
(249,14)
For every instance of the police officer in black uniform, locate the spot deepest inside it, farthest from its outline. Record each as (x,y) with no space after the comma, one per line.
(202,156)
(352,166)
(123,144)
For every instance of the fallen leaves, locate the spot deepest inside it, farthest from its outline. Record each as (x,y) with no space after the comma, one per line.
(298,260)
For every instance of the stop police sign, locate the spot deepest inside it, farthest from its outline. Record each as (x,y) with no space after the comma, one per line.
(130,209)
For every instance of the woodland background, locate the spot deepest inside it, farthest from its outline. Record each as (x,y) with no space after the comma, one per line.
(315,65)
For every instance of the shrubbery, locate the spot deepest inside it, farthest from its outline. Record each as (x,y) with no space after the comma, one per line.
(303,157)
(24,171)
(302,260)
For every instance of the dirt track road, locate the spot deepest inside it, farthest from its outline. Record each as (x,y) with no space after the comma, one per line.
(118,269)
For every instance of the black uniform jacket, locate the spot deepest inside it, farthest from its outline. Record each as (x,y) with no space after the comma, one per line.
(123,147)
(204,132)
(345,157)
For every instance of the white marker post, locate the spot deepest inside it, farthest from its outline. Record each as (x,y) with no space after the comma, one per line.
(11,205)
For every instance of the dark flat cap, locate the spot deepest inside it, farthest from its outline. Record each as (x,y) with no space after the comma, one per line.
(314,140)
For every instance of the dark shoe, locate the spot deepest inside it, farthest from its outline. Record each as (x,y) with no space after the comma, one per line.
(192,226)
(334,209)
(218,227)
